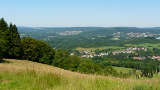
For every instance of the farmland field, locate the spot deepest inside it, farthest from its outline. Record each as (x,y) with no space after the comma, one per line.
(146,45)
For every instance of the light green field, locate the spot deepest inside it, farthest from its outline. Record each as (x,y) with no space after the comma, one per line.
(115,39)
(122,69)
(129,72)
(26,75)
(146,45)
(100,48)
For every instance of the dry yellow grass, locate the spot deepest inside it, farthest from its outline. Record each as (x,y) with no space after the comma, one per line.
(78,81)
(24,65)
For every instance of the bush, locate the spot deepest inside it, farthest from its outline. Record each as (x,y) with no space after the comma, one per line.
(37,51)
(88,66)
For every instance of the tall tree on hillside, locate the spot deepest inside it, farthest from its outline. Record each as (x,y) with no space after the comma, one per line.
(10,40)
(3,25)
(14,42)
(1,49)
(3,37)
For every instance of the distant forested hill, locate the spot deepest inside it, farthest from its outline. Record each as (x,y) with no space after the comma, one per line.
(72,37)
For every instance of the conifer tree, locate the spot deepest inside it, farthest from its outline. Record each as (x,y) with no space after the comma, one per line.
(1,54)
(3,37)
(14,42)
(3,25)
(10,42)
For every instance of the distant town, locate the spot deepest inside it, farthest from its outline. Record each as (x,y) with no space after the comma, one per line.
(88,53)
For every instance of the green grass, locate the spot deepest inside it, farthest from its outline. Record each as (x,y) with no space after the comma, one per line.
(127,72)
(100,48)
(122,69)
(146,45)
(25,75)
(37,81)
(31,80)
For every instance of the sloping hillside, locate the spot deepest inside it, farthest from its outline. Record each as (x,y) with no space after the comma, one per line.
(27,75)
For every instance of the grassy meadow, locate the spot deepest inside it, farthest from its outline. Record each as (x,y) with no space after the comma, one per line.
(100,48)
(27,75)
(146,45)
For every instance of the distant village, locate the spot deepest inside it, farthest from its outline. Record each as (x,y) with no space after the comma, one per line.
(136,35)
(66,33)
(101,53)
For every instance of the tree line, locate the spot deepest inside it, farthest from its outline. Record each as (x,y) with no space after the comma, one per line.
(148,67)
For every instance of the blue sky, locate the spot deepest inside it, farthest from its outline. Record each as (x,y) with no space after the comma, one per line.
(61,13)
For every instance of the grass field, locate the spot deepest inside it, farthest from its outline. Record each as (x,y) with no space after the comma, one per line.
(27,75)
(122,69)
(100,48)
(146,45)
(127,72)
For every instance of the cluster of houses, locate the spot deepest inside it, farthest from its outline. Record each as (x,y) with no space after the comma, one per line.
(136,34)
(95,55)
(139,35)
(143,58)
(139,58)
(91,53)
(87,53)
(129,50)
(156,57)
(66,33)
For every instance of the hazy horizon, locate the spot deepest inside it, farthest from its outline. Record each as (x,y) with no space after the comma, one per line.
(84,27)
